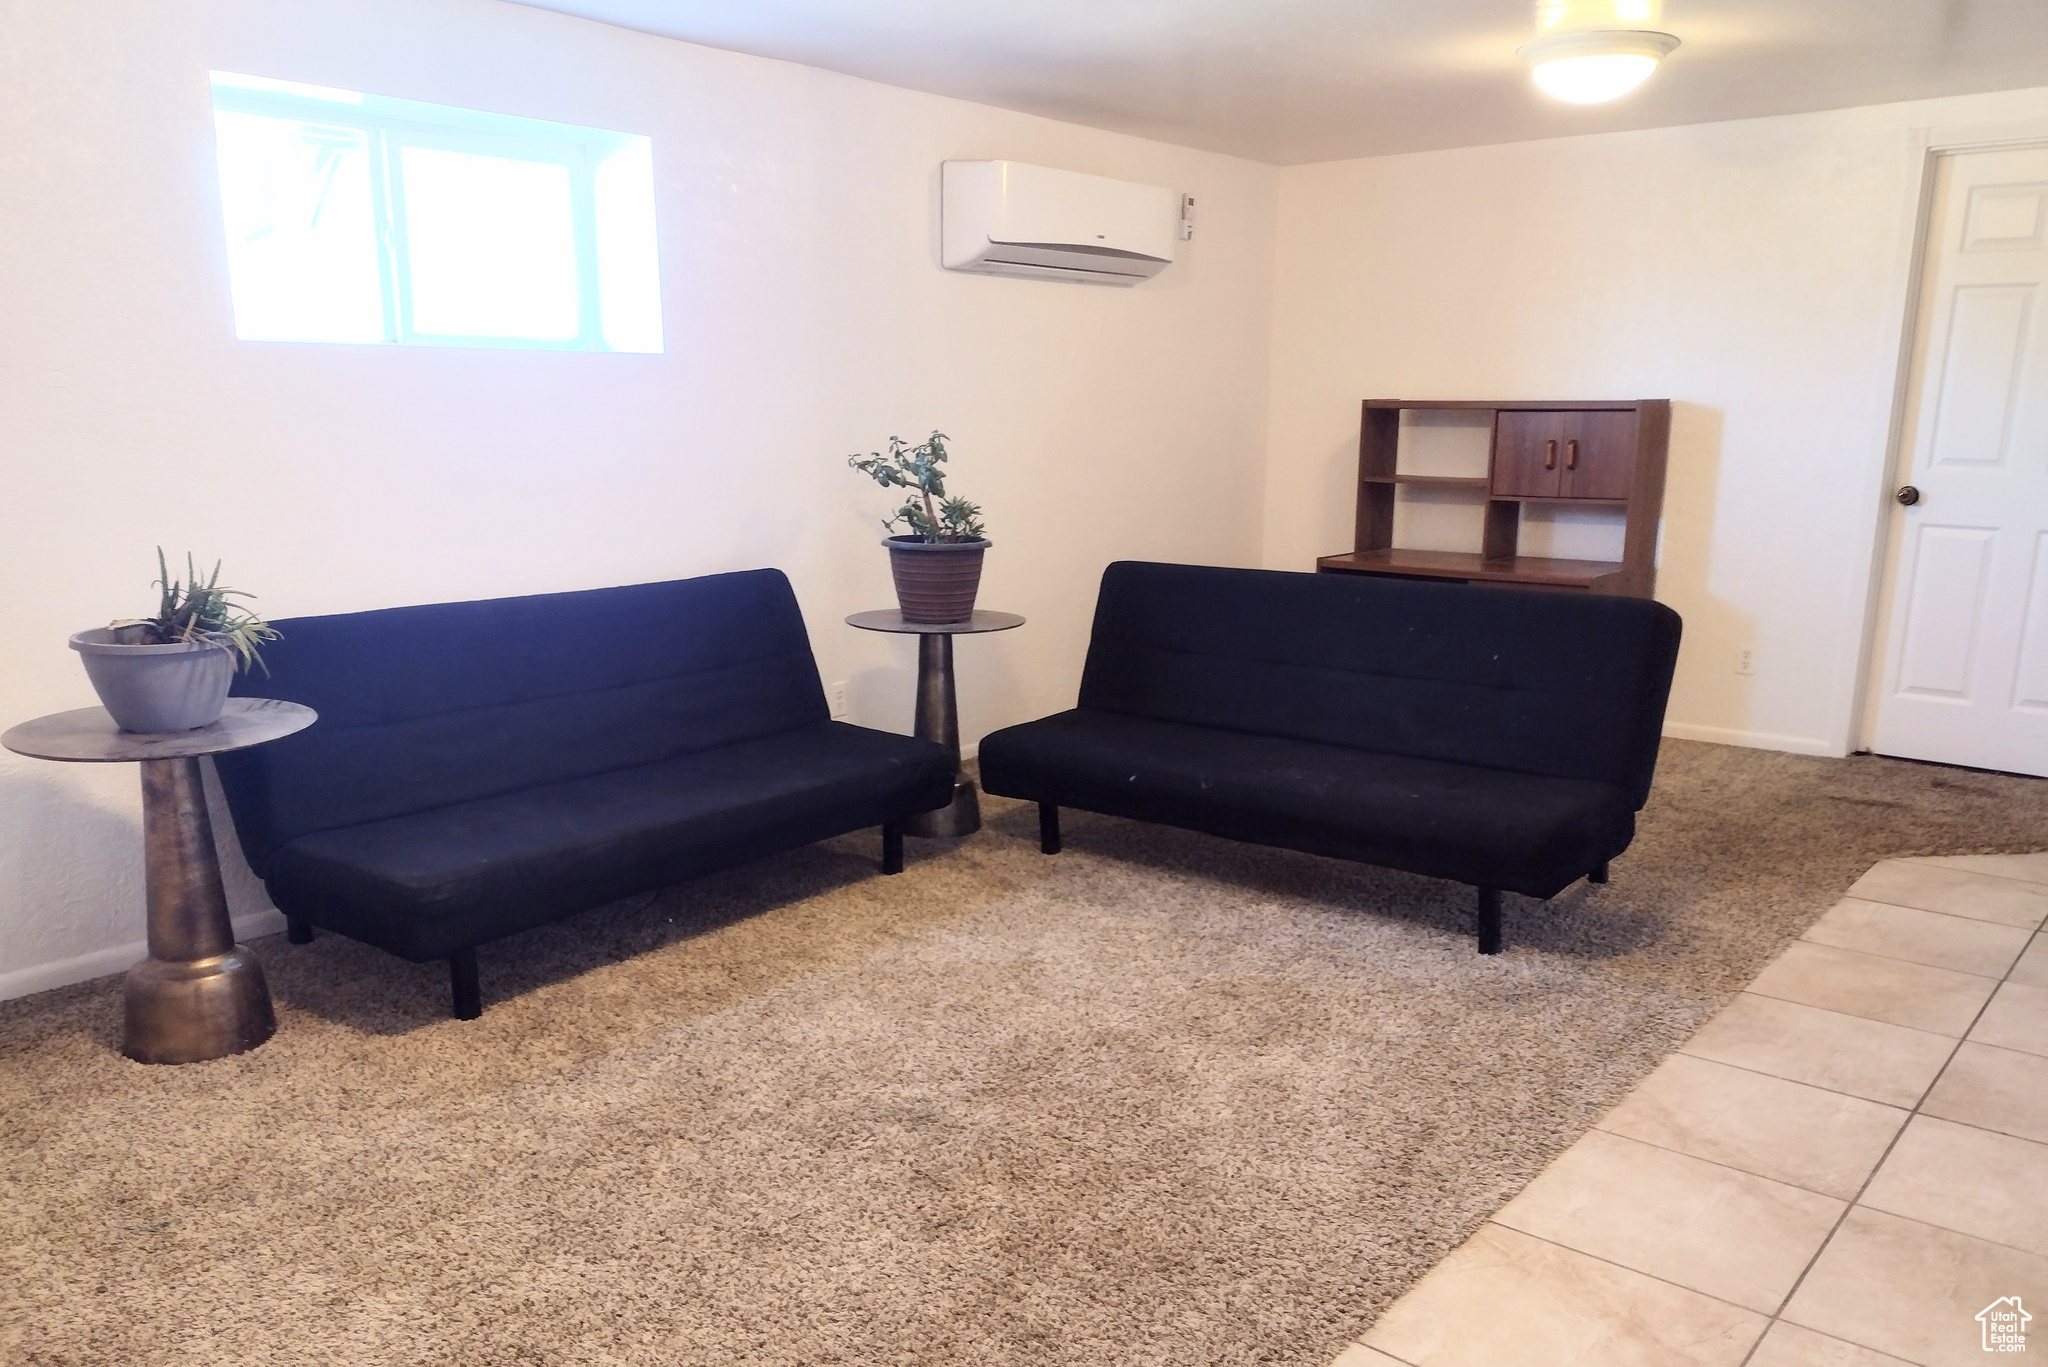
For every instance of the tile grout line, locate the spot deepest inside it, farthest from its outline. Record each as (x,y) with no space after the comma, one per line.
(1921,963)
(1929,1224)
(1951,868)
(1895,959)
(1845,1015)
(1633,1271)
(1801,1082)
(2004,1049)
(1717,1163)
(1856,1201)
(2034,929)
(1996,983)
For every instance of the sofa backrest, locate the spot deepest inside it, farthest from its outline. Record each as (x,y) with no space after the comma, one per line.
(423,707)
(1561,684)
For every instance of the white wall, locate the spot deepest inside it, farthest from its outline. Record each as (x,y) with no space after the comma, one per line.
(806,317)
(1751,271)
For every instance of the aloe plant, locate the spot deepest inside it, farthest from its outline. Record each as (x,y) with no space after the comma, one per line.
(928,513)
(192,611)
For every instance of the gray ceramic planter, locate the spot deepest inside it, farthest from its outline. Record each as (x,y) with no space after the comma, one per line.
(156,688)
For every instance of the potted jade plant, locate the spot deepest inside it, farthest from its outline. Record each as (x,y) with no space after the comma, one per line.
(171,672)
(936,559)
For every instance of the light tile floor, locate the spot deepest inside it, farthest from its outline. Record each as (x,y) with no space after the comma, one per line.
(1842,1169)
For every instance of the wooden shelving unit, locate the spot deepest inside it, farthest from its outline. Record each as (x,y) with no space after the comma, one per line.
(1600,454)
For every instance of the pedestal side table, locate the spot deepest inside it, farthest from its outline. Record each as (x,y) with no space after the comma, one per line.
(198,995)
(938,716)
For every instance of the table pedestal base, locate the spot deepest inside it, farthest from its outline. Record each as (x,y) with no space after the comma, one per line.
(938,719)
(961,816)
(198,995)
(187,1011)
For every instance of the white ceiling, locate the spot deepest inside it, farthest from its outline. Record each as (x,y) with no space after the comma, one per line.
(1314,80)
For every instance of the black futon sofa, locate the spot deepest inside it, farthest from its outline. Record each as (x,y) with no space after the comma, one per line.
(482,768)
(1496,736)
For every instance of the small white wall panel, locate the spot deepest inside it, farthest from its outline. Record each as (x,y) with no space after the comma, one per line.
(1981,373)
(2030,686)
(1947,588)
(2006,218)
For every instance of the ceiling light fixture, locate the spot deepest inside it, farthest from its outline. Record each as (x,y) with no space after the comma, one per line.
(1591,51)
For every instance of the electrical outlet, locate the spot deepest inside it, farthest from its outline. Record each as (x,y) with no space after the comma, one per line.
(836,696)
(1745,660)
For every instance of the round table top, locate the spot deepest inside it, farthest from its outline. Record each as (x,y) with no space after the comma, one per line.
(88,735)
(891,619)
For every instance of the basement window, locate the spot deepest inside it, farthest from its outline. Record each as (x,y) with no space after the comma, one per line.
(358,218)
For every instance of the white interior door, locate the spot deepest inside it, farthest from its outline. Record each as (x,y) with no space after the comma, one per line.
(1964,643)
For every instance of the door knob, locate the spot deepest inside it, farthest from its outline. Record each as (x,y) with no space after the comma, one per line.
(1907,495)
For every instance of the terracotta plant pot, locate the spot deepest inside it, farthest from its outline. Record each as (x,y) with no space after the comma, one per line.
(156,688)
(935,580)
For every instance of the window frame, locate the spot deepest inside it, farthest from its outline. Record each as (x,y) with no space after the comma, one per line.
(389,126)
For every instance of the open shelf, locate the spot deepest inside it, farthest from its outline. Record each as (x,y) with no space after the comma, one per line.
(1480,482)
(1495,405)
(1469,566)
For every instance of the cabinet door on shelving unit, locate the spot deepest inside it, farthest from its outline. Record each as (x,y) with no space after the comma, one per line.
(1528,454)
(1600,454)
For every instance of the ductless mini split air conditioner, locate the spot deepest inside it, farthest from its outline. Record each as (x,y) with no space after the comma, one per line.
(1007,218)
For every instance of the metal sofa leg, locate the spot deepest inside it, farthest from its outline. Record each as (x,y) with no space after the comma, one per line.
(298,930)
(1598,875)
(1048,828)
(469,997)
(892,848)
(1489,920)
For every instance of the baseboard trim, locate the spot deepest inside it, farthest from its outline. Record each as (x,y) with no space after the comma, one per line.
(117,959)
(1754,740)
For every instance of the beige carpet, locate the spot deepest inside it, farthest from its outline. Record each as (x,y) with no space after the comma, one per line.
(1162,1099)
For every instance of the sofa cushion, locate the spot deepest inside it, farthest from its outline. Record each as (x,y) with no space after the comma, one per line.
(1528,833)
(446,703)
(427,883)
(1565,685)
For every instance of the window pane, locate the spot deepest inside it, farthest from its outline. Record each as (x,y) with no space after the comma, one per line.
(492,246)
(629,281)
(301,230)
